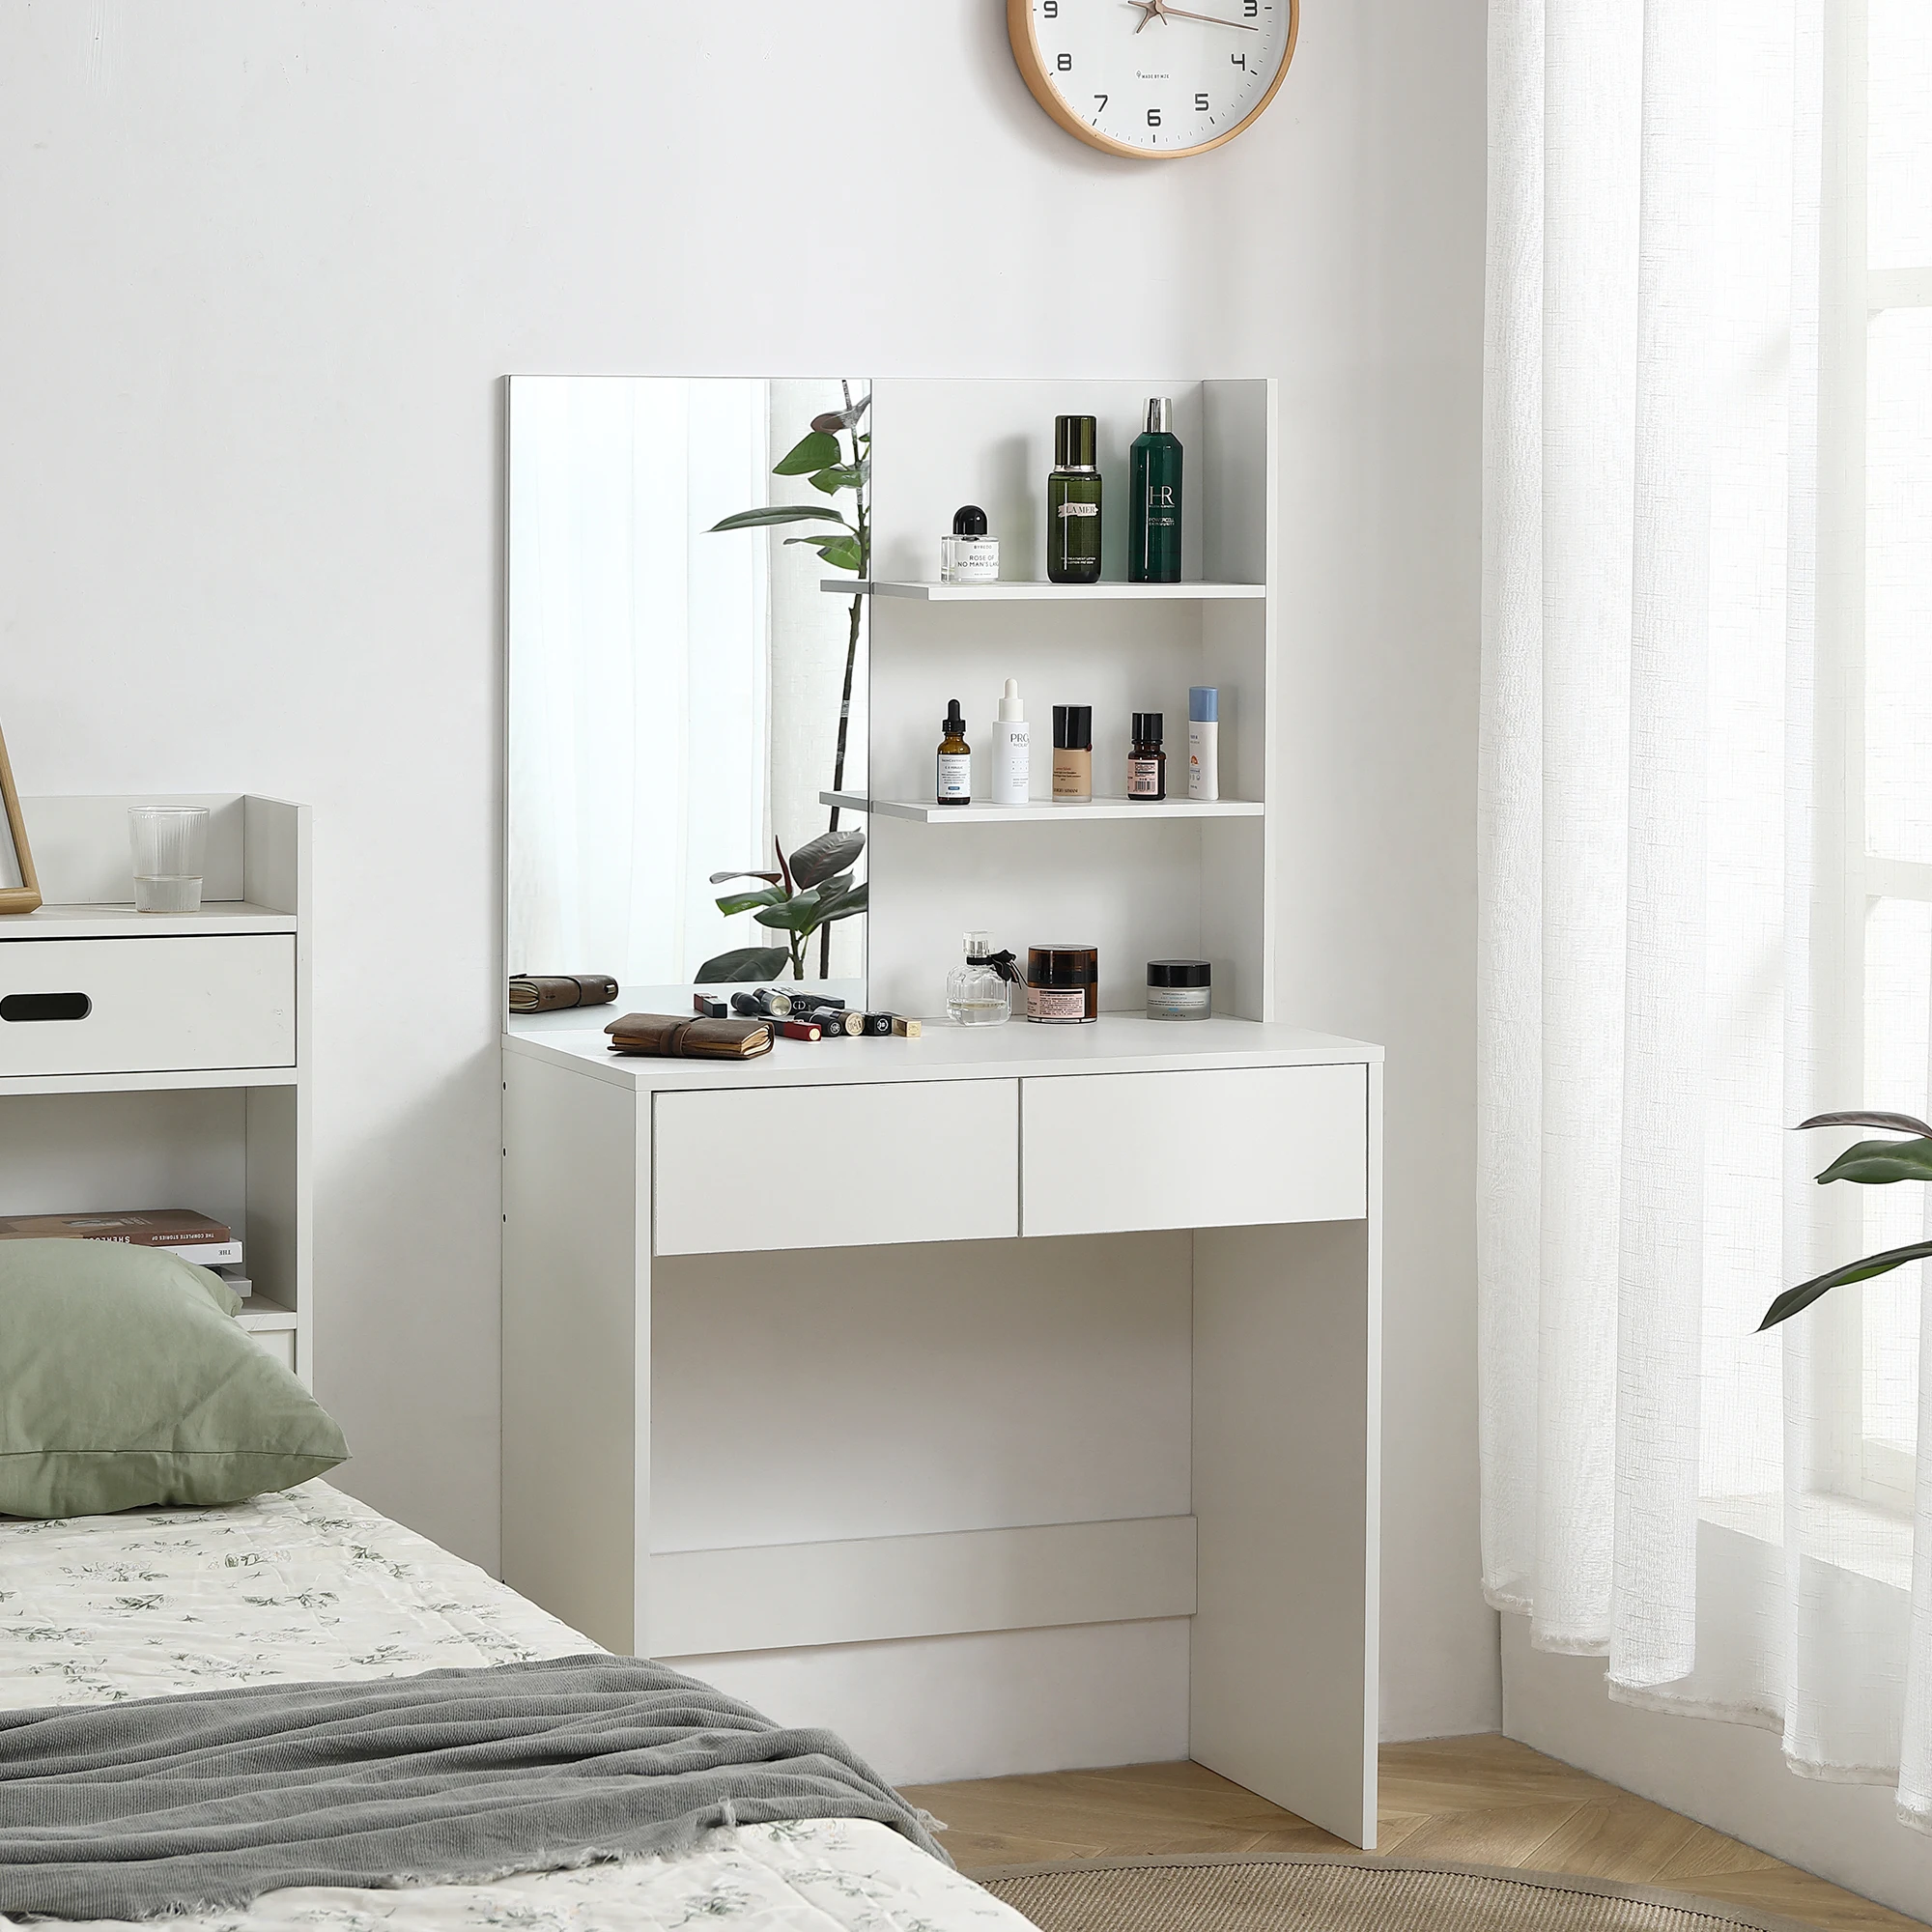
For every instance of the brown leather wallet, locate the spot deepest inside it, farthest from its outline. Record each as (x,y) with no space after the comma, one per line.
(550,992)
(669,1038)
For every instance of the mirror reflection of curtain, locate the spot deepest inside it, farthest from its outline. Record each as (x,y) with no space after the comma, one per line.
(638,671)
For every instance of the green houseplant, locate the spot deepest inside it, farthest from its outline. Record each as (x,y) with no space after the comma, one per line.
(809,892)
(1870,1164)
(844,543)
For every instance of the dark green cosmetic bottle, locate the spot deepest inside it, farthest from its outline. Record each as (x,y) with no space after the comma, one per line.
(1073,504)
(1154,513)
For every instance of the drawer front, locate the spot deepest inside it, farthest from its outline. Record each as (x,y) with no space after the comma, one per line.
(836,1167)
(147,1005)
(281,1343)
(1212,1149)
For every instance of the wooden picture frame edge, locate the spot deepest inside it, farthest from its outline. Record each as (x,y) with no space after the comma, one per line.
(26,896)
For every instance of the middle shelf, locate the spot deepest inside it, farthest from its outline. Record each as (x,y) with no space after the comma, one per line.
(1034,810)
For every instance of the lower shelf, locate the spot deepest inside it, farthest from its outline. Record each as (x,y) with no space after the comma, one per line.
(261,1315)
(794,1594)
(1041,811)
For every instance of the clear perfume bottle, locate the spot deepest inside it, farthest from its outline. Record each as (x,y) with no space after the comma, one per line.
(975,994)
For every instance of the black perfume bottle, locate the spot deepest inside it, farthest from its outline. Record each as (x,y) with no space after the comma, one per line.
(1073,504)
(1153,513)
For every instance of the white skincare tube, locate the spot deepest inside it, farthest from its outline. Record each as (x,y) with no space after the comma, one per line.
(1203,731)
(1012,750)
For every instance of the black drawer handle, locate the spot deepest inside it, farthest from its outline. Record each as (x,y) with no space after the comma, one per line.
(46,1007)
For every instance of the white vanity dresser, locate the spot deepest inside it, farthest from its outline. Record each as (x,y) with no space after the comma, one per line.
(1041,1362)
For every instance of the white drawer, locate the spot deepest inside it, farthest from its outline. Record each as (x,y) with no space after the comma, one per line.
(147,1005)
(281,1343)
(836,1167)
(1209,1149)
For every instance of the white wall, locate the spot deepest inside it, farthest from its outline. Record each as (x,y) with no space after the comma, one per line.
(264,263)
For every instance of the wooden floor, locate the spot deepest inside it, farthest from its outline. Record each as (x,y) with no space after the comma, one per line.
(1470,1801)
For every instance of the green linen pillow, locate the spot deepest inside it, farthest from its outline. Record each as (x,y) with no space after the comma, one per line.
(124,1381)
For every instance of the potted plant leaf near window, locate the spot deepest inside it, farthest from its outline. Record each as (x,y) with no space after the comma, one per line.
(1870,1164)
(813,889)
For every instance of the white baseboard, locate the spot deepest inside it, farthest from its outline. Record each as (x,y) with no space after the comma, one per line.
(1732,1778)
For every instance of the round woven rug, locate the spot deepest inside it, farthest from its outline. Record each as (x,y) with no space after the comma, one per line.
(1287,1893)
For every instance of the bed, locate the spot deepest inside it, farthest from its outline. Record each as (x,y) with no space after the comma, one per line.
(310,1585)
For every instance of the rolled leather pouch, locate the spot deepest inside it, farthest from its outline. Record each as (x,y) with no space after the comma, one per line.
(667,1036)
(550,992)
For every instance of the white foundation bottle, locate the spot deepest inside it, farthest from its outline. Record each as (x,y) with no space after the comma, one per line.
(1012,750)
(1204,750)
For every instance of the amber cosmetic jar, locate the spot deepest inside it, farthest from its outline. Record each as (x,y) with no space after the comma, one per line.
(1064,985)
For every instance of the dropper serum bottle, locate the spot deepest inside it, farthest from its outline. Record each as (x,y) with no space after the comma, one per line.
(955,759)
(1073,504)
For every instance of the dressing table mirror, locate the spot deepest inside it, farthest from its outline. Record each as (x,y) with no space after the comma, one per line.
(681,690)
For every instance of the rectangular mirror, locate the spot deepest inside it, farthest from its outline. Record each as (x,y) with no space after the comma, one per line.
(682,691)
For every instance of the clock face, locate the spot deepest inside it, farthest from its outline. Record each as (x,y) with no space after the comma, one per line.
(1152,77)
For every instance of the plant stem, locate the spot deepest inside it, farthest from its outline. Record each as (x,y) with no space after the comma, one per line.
(851,661)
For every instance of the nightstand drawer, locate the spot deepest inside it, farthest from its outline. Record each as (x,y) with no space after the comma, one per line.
(147,1005)
(1210,1150)
(837,1167)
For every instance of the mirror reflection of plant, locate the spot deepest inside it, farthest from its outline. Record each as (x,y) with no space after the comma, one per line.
(818,456)
(1870,1164)
(809,892)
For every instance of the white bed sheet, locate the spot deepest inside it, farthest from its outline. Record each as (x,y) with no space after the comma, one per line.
(313,1584)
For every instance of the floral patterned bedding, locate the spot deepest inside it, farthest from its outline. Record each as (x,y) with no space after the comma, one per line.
(312,1584)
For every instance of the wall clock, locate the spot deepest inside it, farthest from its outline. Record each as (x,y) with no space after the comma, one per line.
(1151,78)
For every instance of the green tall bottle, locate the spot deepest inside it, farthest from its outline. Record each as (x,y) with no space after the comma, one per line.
(1153,513)
(1073,504)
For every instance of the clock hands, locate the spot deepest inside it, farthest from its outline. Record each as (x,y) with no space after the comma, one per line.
(1159,10)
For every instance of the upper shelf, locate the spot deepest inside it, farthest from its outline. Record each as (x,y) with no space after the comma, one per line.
(1066,810)
(123,922)
(1015,592)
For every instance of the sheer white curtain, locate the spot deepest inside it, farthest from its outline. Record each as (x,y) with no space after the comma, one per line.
(1707,867)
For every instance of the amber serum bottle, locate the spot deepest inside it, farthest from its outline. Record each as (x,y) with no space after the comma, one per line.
(1073,504)
(955,759)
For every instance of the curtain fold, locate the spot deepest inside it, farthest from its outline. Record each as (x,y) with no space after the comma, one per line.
(1671,951)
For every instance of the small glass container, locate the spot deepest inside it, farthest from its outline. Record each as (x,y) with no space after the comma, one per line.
(1147,762)
(975,995)
(969,556)
(1179,989)
(169,844)
(1064,985)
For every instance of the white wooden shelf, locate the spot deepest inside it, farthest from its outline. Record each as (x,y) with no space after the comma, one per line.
(215,919)
(1040,810)
(1018,592)
(262,1316)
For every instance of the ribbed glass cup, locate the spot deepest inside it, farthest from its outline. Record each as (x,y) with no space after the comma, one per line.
(170,847)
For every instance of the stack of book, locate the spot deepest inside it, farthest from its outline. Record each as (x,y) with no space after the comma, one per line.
(176,1231)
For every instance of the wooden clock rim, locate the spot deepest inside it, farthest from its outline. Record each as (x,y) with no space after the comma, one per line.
(1026,57)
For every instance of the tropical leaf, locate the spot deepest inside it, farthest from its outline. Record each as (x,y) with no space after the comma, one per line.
(843,905)
(836,477)
(812,451)
(1902,1123)
(736,902)
(747,963)
(778,513)
(818,859)
(834,421)
(1874,1163)
(798,914)
(1796,1300)
(718,878)
(840,553)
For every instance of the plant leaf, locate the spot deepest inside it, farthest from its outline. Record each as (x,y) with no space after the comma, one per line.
(798,914)
(836,477)
(841,907)
(834,421)
(1873,1163)
(812,451)
(1902,1123)
(745,962)
(718,878)
(778,513)
(840,553)
(830,852)
(1795,1299)
(737,902)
